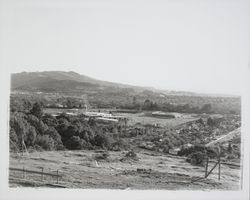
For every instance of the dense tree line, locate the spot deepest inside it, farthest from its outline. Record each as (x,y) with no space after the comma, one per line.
(149,105)
(142,101)
(40,131)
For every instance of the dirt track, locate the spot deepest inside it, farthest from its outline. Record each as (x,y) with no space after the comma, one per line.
(151,171)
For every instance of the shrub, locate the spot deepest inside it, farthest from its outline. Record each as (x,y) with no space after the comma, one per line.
(71,131)
(44,141)
(166,149)
(37,148)
(88,136)
(119,145)
(103,141)
(131,154)
(76,143)
(211,152)
(196,158)
(189,150)
(102,156)
(51,131)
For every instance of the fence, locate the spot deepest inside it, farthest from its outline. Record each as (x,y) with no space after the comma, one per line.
(218,162)
(42,173)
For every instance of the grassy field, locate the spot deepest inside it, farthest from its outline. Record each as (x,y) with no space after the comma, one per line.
(80,169)
(135,118)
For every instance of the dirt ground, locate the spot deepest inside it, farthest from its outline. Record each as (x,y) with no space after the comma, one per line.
(80,169)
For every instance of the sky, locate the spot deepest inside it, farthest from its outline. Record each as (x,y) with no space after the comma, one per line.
(196,45)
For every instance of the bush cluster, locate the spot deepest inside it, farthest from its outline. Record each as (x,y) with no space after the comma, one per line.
(44,132)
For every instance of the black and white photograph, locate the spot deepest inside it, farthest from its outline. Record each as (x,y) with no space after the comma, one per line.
(125,96)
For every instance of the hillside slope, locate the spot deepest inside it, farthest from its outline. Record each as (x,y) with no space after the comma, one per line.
(42,81)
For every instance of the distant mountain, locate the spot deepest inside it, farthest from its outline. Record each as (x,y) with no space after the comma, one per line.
(60,81)
(72,82)
(106,94)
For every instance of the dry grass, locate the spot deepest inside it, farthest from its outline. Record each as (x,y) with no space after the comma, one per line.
(81,170)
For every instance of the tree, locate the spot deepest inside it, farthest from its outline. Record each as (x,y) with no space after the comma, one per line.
(52,132)
(62,127)
(41,128)
(49,120)
(69,103)
(206,108)
(37,123)
(37,110)
(147,104)
(211,122)
(13,139)
(92,122)
(19,124)
(88,136)
(72,130)
(103,141)
(134,100)
(30,136)
(75,143)
(27,105)
(45,141)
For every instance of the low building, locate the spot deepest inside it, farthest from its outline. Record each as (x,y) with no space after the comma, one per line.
(106,120)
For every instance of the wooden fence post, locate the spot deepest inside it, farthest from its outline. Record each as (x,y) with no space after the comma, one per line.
(42,175)
(57,177)
(219,168)
(206,167)
(23,173)
(211,170)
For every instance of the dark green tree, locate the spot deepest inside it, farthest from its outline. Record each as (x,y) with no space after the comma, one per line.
(30,136)
(75,143)
(45,141)
(37,110)
(206,108)
(52,132)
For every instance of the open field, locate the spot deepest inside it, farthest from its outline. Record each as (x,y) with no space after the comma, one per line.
(135,118)
(82,169)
